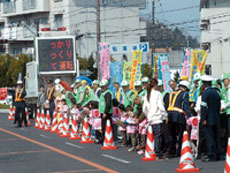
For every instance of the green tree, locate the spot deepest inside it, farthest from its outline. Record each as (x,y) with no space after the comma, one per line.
(10,67)
(147,70)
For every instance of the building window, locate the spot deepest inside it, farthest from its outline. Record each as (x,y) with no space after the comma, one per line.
(58,20)
(208,69)
(206,46)
(9,7)
(205,25)
(29,4)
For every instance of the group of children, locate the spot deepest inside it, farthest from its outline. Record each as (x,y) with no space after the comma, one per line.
(128,123)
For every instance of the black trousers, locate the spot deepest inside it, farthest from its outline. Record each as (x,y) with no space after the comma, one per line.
(175,129)
(212,137)
(201,144)
(20,111)
(165,137)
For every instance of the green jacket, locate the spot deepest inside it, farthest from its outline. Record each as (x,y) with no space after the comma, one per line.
(102,102)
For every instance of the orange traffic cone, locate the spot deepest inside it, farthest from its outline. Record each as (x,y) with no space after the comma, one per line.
(48,121)
(186,159)
(27,117)
(150,154)
(85,139)
(227,162)
(10,115)
(54,127)
(74,133)
(60,125)
(13,113)
(42,120)
(65,132)
(108,140)
(37,121)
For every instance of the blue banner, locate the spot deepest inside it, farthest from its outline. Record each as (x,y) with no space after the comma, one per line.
(115,73)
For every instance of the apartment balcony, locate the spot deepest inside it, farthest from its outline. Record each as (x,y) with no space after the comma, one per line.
(19,33)
(22,7)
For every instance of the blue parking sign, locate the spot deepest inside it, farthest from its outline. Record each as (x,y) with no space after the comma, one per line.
(144,47)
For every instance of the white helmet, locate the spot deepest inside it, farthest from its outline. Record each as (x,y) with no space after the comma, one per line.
(57,81)
(184,83)
(19,82)
(104,82)
(160,82)
(138,83)
(124,83)
(145,79)
(196,77)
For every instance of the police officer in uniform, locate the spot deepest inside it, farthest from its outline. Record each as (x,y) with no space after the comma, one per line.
(210,113)
(20,94)
(178,110)
(105,105)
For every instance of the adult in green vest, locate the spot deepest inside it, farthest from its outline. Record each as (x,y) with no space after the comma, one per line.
(105,104)
(84,90)
(95,90)
(77,89)
(128,95)
(139,90)
(225,107)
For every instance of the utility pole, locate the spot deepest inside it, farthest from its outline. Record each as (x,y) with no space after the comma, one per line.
(37,27)
(152,29)
(98,38)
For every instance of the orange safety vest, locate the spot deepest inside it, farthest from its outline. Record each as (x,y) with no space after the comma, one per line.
(18,95)
(172,101)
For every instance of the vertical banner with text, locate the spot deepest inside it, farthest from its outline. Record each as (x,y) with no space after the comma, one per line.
(186,63)
(198,61)
(127,67)
(104,61)
(115,72)
(136,73)
(164,72)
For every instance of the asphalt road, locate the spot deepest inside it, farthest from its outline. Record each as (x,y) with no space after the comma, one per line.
(29,150)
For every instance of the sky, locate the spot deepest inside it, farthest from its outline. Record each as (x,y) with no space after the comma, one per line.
(176,13)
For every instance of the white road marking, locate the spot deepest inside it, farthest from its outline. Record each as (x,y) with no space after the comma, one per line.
(23,129)
(44,136)
(74,145)
(117,159)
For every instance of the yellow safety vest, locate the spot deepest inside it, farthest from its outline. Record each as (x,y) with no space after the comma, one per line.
(18,95)
(172,101)
(49,93)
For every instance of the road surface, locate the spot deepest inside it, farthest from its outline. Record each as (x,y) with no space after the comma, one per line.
(29,150)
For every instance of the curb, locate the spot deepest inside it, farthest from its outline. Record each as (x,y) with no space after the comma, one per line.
(4,110)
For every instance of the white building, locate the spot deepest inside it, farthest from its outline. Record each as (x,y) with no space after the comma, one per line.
(215,35)
(24,19)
